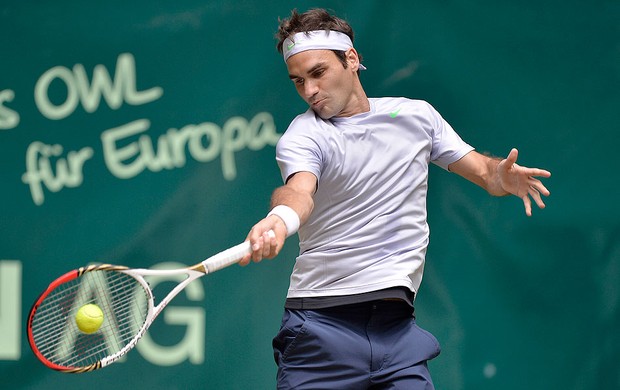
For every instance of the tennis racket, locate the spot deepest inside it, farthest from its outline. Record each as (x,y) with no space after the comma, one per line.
(128,307)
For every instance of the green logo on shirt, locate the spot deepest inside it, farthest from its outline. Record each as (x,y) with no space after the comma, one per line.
(394,113)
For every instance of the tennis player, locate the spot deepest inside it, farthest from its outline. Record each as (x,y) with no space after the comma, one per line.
(355,171)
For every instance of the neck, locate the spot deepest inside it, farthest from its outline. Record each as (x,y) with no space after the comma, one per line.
(358,103)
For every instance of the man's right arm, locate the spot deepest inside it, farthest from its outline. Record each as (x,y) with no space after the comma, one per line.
(296,197)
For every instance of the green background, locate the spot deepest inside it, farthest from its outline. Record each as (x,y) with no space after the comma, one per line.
(516,302)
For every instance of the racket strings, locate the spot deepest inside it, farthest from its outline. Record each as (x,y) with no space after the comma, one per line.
(124,303)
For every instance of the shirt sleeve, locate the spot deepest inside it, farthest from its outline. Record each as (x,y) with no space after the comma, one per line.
(298,151)
(447,147)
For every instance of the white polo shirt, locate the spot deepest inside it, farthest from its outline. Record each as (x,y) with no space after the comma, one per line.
(368,230)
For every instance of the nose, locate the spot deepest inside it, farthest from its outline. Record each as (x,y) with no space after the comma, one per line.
(311,88)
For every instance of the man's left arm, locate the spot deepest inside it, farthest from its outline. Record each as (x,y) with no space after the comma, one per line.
(503,177)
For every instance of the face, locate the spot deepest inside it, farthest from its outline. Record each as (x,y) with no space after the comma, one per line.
(325,84)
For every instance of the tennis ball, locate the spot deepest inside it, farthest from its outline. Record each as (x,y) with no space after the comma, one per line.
(89,318)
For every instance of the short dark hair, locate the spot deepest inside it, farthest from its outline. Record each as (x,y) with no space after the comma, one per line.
(313,20)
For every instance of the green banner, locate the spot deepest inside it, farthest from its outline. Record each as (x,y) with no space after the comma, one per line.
(142,133)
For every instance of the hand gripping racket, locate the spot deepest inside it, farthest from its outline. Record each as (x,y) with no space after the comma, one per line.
(128,307)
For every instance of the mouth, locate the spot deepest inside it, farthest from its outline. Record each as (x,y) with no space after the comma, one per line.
(316,103)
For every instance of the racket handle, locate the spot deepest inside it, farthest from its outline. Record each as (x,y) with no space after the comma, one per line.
(229,256)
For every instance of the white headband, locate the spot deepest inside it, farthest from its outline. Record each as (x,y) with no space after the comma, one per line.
(313,40)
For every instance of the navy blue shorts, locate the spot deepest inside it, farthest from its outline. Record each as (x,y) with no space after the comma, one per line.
(370,345)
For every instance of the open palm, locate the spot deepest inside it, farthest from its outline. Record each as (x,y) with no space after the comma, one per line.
(520,181)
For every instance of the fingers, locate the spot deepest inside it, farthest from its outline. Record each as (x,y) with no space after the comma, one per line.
(528,205)
(508,164)
(512,156)
(527,187)
(534,191)
(269,245)
(536,172)
(266,247)
(535,194)
(532,172)
(263,242)
(245,260)
(539,187)
(258,247)
(262,247)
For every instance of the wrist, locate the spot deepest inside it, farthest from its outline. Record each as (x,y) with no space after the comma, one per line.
(288,216)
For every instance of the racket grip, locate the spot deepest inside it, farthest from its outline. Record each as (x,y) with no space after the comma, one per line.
(229,256)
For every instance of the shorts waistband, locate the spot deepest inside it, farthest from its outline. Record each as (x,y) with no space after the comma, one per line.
(395,294)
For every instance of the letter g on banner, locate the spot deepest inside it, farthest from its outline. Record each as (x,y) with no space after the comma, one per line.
(192,346)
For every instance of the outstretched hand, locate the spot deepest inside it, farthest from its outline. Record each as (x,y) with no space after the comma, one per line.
(520,181)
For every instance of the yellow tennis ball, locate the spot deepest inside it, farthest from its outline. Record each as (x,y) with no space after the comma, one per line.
(89,318)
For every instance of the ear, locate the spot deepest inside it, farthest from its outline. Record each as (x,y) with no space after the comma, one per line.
(353,59)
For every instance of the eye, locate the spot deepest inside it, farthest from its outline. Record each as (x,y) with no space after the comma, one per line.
(298,81)
(318,73)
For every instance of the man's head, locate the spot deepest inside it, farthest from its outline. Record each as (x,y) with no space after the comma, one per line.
(313,20)
(319,54)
